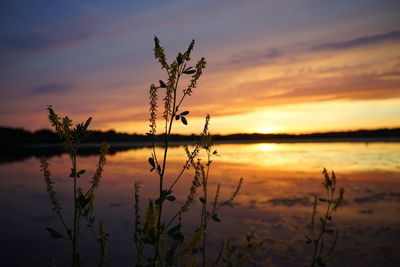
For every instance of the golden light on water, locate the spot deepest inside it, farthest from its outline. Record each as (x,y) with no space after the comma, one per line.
(278,182)
(263,147)
(344,157)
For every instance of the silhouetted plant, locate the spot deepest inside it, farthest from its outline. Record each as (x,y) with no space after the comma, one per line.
(83,200)
(236,255)
(161,242)
(154,230)
(209,213)
(166,239)
(325,232)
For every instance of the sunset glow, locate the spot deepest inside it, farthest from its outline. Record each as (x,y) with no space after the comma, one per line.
(273,66)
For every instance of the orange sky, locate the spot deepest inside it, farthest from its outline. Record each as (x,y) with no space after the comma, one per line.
(272,67)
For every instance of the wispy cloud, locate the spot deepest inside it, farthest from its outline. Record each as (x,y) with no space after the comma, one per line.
(50,88)
(57,35)
(255,57)
(291,52)
(391,36)
(366,85)
(300,85)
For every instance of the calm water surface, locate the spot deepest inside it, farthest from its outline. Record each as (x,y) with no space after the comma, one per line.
(276,197)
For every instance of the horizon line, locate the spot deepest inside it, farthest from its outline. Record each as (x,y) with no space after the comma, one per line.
(225,134)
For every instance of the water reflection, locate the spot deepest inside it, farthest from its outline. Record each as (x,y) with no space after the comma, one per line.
(275,200)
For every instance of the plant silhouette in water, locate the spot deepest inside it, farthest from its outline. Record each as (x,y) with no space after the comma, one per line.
(325,231)
(165,241)
(83,207)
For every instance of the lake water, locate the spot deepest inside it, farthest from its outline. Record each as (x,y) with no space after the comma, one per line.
(275,201)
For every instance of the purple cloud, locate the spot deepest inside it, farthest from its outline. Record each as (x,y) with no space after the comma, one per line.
(247,58)
(50,88)
(391,36)
(254,57)
(60,34)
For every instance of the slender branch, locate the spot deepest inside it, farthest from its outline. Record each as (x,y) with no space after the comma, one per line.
(204,209)
(188,161)
(164,165)
(98,240)
(75,237)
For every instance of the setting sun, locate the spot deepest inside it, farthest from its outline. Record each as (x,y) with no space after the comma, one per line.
(265,129)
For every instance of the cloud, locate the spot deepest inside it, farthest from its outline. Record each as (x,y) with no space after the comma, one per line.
(366,85)
(311,84)
(50,88)
(53,36)
(255,57)
(291,201)
(391,36)
(292,53)
(382,196)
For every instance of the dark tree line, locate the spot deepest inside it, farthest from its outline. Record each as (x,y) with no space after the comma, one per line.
(12,137)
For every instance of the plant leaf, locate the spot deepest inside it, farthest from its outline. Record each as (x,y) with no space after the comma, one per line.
(171,198)
(82,201)
(162,84)
(175,232)
(53,233)
(179,59)
(80,173)
(189,71)
(184,113)
(215,217)
(175,229)
(184,121)
(152,163)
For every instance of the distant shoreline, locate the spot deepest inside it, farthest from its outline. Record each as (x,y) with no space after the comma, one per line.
(135,144)
(18,152)
(19,138)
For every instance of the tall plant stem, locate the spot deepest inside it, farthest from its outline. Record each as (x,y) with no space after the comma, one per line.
(98,241)
(204,210)
(74,233)
(317,248)
(164,165)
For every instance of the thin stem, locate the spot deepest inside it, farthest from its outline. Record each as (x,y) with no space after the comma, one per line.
(74,233)
(90,225)
(65,225)
(180,174)
(204,210)
(183,97)
(319,241)
(181,210)
(155,157)
(167,135)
